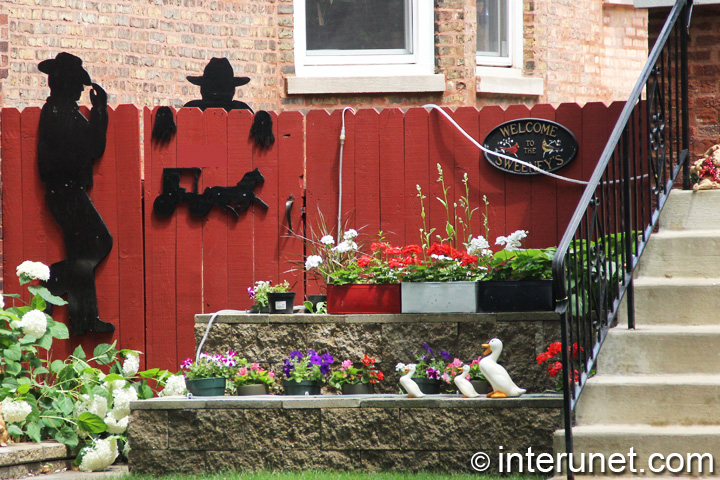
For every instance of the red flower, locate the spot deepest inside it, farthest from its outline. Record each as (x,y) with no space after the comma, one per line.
(411,250)
(438,249)
(468,259)
(555,348)
(410,261)
(375,246)
(364,261)
(368,361)
(380,375)
(395,263)
(390,250)
(543,356)
(554,369)
(575,350)
(456,254)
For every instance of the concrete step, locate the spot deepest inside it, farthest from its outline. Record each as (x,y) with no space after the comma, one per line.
(661,349)
(687,399)
(681,253)
(677,300)
(689,210)
(672,442)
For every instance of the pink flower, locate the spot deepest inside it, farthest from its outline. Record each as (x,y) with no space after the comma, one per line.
(346,364)
(255,366)
(271,374)
(467,377)
(230,353)
(445,377)
(457,363)
(243,371)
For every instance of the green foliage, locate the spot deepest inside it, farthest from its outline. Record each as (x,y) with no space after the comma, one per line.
(521,264)
(262,288)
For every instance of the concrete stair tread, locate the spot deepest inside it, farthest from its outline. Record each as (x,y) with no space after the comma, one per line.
(675,281)
(667,329)
(629,429)
(656,379)
(685,234)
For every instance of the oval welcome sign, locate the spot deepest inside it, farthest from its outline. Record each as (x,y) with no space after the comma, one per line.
(547,145)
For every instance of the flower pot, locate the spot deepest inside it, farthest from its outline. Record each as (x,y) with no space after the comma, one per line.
(315,299)
(281,302)
(439,297)
(364,298)
(206,387)
(481,386)
(427,386)
(255,389)
(358,389)
(303,387)
(515,296)
(255,308)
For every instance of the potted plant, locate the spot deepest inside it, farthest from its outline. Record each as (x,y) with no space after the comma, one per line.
(429,370)
(272,298)
(305,374)
(210,374)
(475,376)
(252,379)
(351,380)
(356,282)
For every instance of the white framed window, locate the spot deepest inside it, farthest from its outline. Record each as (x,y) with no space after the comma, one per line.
(362,38)
(499,22)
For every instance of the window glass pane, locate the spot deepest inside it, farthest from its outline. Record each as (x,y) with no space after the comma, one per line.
(358,25)
(492,34)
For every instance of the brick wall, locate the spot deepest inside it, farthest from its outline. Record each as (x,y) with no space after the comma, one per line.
(142,50)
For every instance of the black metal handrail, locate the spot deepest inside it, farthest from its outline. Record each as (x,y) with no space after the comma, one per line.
(594,264)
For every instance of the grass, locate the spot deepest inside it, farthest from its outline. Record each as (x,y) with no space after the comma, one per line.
(326,476)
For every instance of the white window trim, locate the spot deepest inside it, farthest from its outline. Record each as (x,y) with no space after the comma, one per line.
(508,79)
(420,63)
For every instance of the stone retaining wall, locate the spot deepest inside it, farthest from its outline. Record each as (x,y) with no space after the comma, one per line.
(268,339)
(358,432)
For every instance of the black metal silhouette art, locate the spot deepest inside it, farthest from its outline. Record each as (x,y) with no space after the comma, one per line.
(67,146)
(234,199)
(164,128)
(217,89)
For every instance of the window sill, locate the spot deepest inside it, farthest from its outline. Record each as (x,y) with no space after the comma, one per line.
(668,3)
(507,81)
(391,84)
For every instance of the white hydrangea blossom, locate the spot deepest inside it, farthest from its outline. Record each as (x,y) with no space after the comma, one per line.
(98,405)
(478,246)
(175,385)
(34,323)
(131,365)
(100,456)
(116,422)
(115,385)
(350,234)
(327,240)
(34,270)
(440,257)
(513,241)
(123,397)
(15,411)
(346,246)
(126,449)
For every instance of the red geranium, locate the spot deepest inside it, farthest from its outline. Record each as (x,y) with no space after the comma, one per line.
(554,369)
(411,250)
(364,261)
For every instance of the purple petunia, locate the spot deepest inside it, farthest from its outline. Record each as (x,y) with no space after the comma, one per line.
(445,355)
(432,373)
(296,355)
(288,367)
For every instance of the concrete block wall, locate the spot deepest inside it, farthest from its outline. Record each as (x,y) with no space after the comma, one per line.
(142,50)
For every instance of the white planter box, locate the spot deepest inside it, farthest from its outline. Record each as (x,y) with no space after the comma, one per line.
(439,297)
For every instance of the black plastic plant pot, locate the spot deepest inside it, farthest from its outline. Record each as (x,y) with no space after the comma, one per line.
(281,302)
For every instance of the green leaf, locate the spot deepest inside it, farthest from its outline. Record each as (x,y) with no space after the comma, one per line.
(40,371)
(23,389)
(149,373)
(34,431)
(58,330)
(111,377)
(14,430)
(67,436)
(91,423)
(79,353)
(37,303)
(144,391)
(45,341)
(13,353)
(65,405)
(45,294)
(12,368)
(104,354)
(57,365)
(52,422)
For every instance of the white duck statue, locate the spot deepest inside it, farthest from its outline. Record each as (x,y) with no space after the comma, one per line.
(464,385)
(499,379)
(409,384)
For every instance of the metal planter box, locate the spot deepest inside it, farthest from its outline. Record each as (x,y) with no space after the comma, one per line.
(363,298)
(439,297)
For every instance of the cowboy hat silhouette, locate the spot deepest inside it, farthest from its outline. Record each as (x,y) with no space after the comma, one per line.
(66,74)
(218,72)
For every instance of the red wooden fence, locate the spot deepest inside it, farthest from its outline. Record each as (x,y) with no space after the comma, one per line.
(162,271)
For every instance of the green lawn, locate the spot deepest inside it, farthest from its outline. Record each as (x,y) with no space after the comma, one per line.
(326,476)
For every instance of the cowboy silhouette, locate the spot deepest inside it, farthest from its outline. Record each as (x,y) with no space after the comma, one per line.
(67,146)
(217,89)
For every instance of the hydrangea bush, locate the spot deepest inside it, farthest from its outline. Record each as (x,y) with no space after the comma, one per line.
(71,401)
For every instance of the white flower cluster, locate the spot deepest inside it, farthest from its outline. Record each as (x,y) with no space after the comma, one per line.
(2,302)
(131,365)
(15,411)
(327,240)
(116,422)
(97,405)
(479,247)
(313,261)
(441,258)
(400,367)
(33,323)
(350,234)
(34,270)
(175,385)
(100,456)
(123,397)
(513,241)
